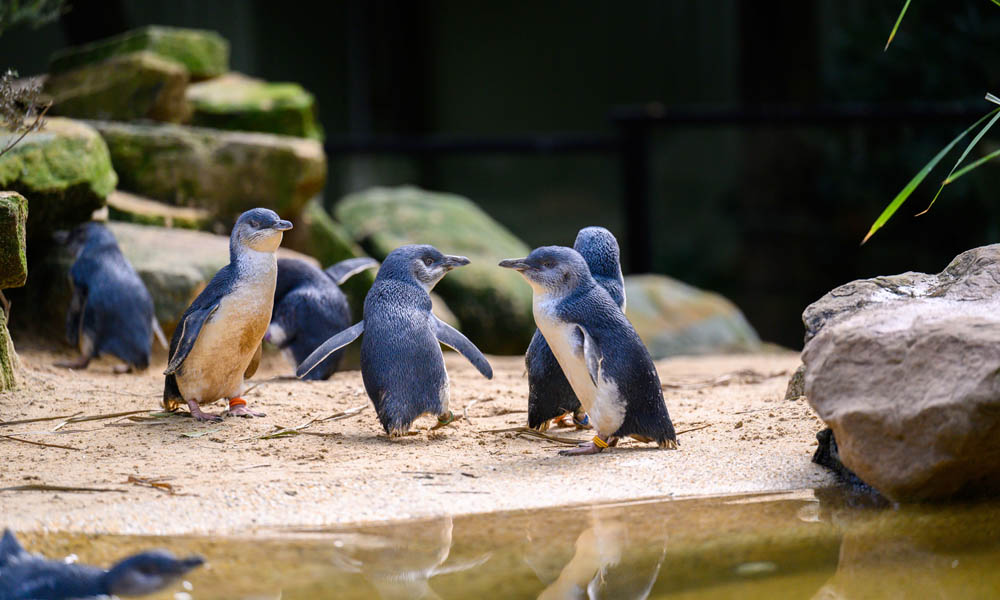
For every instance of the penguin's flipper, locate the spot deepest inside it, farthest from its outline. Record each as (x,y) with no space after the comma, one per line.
(254,362)
(591,355)
(345,269)
(10,548)
(453,338)
(158,332)
(74,314)
(330,346)
(190,328)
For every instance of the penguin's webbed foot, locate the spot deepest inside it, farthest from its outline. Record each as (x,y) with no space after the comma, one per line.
(238,408)
(80,363)
(582,449)
(444,420)
(667,444)
(200,415)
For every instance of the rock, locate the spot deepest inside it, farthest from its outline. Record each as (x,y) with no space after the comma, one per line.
(904,369)
(132,86)
(235,101)
(224,172)
(8,358)
(64,171)
(202,53)
(130,208)
(796,384)
(322,238)
(13,219)
(675,318)
(492,305)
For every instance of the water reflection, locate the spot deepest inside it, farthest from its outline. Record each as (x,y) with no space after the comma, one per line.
(822,545)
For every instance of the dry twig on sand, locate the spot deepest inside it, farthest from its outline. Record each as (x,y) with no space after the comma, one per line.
(42,487)
(298,429)
(15,439)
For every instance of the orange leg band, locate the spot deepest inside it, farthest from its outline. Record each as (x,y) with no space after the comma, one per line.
(233,402)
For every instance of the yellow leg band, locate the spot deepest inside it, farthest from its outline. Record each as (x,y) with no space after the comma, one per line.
(599,442)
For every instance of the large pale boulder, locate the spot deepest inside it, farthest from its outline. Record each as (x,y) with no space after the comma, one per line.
(235,101)
(225,172)
(130,208)
(904,370)
(202,53)
(675,318)
(492,305)
(64,171)
(13,221)
(140,85)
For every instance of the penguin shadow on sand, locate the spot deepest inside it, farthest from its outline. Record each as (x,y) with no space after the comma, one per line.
(598,350)
(402,364)
(310,308)
(401,562)
(611,558)
(111,311)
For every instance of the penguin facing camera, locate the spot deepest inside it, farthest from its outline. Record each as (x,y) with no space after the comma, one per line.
(111,311)
(599,351)
(309,308)
(401,361)
(217,344)
(550,396)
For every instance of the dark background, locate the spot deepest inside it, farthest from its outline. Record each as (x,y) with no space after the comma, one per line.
(771,216)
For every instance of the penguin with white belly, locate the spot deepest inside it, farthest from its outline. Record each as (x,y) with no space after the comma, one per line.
(599,351)
(217,343)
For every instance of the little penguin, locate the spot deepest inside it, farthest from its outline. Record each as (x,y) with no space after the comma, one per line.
(599,351)
(309,308)
(217,343)
(111,311)
(26,576)
(401,361)
(549,394)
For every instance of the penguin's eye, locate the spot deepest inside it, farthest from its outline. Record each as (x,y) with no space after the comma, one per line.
(548,264)
(254,224)
(428,261)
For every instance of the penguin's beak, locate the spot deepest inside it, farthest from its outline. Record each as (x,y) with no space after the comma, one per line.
(282,225)
(518,264)
(451,262)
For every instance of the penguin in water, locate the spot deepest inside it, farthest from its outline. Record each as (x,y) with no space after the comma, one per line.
(549,394)
(217,343)
(401,360)
(111,311)
(603,358)
(26,576)
(309,308)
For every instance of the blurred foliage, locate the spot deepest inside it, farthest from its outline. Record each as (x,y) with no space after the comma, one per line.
(29,12)
(20,111)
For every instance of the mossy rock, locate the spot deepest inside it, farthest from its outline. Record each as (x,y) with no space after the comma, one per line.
(13,224)
(129,208)
(203,53)
(242,103)
(8,358)
(674,318)
(122,88)
(322,238)
(493,305)
(224,172)
(64,171)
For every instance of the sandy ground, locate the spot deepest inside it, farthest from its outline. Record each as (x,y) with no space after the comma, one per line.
(226,480)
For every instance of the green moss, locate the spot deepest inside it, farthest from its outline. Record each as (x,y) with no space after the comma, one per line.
(64,171)
(202,53)
(243,103)
(13,219)
(493,305)
(8,358)
(133,86)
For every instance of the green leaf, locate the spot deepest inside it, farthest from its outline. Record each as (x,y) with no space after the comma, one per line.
(968,148)
(918,179)
(974,165)
(899,20)
(997,2)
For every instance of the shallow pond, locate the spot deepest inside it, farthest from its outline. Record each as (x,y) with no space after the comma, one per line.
(809,544)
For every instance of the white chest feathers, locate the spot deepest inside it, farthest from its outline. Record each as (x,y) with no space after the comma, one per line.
(227,342)
(602,401)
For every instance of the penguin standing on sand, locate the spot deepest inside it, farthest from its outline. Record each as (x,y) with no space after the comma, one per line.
(309,308)
(111,310)
(401,360)
(217,343)
(550,395)
(603,358)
